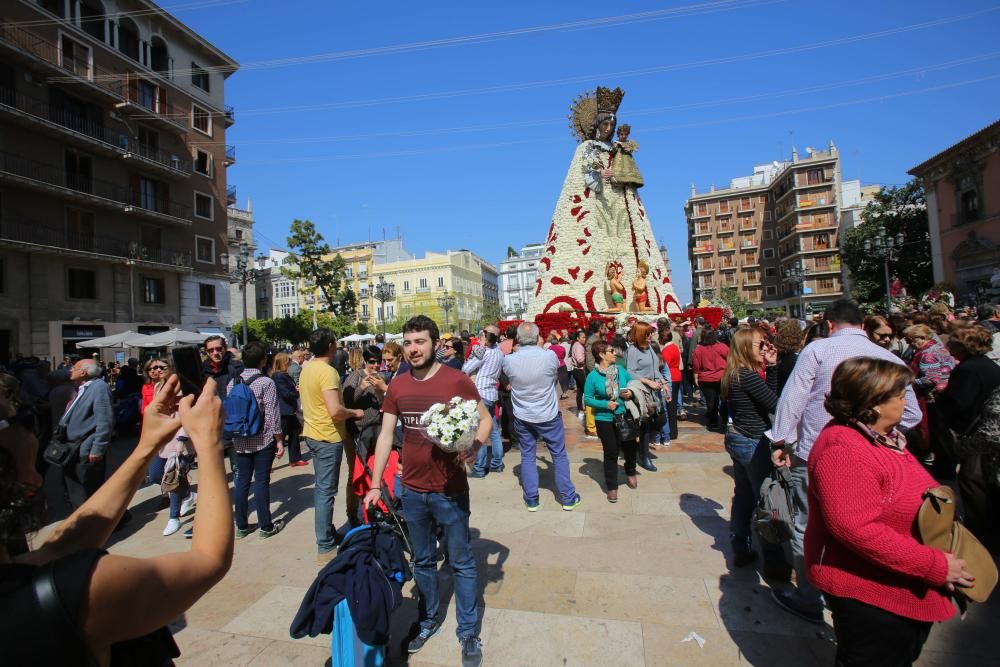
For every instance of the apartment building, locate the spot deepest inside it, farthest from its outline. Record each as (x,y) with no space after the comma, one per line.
(112,174)
(240,236)
(517,279)
(772,236)
(963,214)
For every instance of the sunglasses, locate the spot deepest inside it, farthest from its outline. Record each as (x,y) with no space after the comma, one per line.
(883,336)
(157,368)
(449,347)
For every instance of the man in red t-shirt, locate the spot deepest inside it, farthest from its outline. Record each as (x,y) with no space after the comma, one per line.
(435,489)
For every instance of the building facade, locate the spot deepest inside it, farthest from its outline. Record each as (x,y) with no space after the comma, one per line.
(963,210)
(112,174)
(772,236)
(239,223)
(517,279)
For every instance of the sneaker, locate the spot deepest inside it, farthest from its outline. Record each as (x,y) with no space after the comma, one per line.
(532,505)
(582,416)
(472,651)
(242,532)
(297,464)
(787,601)
(423,637)
(324,557)
(189,533)
(571,505)
(500,469)
(187,505)
(276,527)
(173,525)
(476,475)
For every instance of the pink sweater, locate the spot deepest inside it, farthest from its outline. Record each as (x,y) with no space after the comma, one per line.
(861,541)
(710,362)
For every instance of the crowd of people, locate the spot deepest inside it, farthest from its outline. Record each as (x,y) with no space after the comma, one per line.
(856,410)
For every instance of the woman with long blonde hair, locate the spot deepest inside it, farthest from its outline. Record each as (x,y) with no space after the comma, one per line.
(288,406)
(749,386)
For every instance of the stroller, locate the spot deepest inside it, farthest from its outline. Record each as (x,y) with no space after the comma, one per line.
(355,594)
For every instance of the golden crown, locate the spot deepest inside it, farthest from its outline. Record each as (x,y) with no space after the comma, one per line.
(583,112)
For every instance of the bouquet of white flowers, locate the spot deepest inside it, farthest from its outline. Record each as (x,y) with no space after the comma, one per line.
(452,425)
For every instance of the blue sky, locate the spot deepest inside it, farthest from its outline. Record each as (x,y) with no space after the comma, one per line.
(467,145)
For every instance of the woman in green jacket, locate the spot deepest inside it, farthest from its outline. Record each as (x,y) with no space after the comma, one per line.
(604,391)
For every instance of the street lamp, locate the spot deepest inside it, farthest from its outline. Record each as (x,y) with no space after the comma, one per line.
(447,302)
(798,275)
(383,292)
(887,249)
(243,274)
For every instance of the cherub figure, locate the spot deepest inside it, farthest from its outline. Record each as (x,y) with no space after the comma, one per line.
(624,170)
(614,290)
(640,299)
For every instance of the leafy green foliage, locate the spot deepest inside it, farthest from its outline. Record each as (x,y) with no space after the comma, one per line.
(310,262)
(736,302)
(898,210)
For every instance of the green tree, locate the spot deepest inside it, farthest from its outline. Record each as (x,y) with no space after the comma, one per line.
(491,314)
(736,302)
(897,210)
(310,261)
(362,328)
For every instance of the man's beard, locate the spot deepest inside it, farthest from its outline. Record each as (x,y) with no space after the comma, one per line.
(424,366)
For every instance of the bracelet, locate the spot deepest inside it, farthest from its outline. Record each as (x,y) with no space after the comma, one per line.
(775,447)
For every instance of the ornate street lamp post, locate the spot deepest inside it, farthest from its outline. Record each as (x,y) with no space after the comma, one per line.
(243,274)
(447,302)
(887,249)
(384,291)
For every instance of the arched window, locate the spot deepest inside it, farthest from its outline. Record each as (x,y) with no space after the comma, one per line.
(128,38)
(159,56)
(92,18)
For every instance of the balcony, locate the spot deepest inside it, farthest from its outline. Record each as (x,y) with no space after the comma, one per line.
(423,290)
(700,213)
(47,178)
(706,248)
(37,114)
(148,102)
(727,247)
(230,195)
(228,115)
(727,228)
(815,200)
(747,244)
(745,208)
(750,260)
(747,223)
(36,51)
(703,230)
(706,266)
(230,155)
(30,236)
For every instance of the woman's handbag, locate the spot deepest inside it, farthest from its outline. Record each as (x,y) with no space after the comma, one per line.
(60,452)
(938,529)
(627,426)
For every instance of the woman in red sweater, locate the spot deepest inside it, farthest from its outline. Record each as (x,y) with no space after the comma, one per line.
(862,550)
(708,365)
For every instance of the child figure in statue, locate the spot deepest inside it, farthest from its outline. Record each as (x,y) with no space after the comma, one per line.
(614,290)
(624,170)
(640,299)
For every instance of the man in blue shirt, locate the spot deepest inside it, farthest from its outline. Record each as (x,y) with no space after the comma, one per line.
(486,361)
(534,377)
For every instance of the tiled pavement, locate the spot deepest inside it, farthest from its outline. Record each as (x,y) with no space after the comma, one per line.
(622,584)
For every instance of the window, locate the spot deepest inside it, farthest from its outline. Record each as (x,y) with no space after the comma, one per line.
(147,95)
(771,290)
(423,283)
(349,272)
(364,310)
(288,309)
(81,284)
(204,206)
(768,235)
(724,206)
(201,119)
(762,199)
(744,203)
(152,239)
(969,205)
(768,253)
(204,249)
(153,291)
(406,285)
(822,262)
(199,77)
(815,176)
(702,209)
(80,230)
(147,193)
(79,172)
(821,241)
(202,162)
(825,283)
(751,276)
(206,295)
(771,272)
(440,281)
(75,57)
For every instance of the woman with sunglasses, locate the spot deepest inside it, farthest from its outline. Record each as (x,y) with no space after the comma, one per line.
(454,353)
(879,331)
(155,374)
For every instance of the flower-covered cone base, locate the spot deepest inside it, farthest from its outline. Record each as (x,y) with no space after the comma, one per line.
(596,226)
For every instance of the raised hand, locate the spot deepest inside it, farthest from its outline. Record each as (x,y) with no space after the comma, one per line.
(202,420)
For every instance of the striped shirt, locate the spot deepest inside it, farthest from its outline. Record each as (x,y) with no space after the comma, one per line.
(801,415)
(488,361)
(750,401)
(266,394)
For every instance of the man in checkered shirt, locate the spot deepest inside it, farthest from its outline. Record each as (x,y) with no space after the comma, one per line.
(256,454)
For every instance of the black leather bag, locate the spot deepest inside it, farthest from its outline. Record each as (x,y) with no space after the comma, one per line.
(627,426)
(60,451)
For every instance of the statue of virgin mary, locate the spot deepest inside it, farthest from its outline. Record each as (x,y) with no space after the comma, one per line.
(600,222)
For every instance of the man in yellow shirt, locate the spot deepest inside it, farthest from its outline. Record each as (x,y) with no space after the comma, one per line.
(325,435)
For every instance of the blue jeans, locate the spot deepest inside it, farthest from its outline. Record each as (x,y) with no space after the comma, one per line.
(156,469)
(528,435)
(258,467)
(806,593)
(751,466)
(326,467)
(426,513)
(496,444)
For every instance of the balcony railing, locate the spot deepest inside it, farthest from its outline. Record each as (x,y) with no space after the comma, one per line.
(49,51)
(47,174)
(17,230)
(230,195)
(230,155)
(708,247)
(229,114)
(119,142)
(155,108)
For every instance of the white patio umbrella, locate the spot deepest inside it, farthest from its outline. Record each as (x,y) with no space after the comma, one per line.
(174,337)
(365,337)
(393,336)
(353,338)
(123,339)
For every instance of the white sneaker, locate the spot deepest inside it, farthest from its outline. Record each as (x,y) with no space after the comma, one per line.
(581,416)
(173,525)
(187,505)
